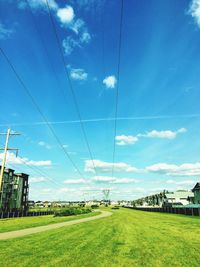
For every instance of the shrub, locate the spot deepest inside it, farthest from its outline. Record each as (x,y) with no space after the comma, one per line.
(115,207)
(94,206)
(72,211)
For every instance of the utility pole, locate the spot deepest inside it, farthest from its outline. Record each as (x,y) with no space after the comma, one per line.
(8,134)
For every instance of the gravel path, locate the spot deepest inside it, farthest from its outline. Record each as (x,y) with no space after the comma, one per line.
(34,230)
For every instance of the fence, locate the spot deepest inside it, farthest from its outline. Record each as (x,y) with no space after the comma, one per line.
(7,214)
(178,210)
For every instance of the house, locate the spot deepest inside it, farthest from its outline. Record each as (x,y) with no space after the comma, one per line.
(196,191)
(31,204)
(165,198)
(47,204)
(180,196)
(39,204)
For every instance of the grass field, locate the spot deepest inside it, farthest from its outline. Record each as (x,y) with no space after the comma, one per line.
(127,238)
(7,225)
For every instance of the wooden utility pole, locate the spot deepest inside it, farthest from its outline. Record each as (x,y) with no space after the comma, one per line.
(8,134)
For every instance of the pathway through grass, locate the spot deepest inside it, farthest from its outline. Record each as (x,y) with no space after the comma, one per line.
(13,224)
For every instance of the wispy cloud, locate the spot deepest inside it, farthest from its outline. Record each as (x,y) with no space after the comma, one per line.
(80,34)
(11,158)
(168,134)
(114,180)
(44,144)
(69,44)
(37,4)
(186,169)
(75,181)
(104,167)
(184,182)
(67,18)
(194,11)
(46,191)
(37,179)
(77,25)
(105,120)
(123,140)
(68,190)
(110,82)
(78,74)
(5,33)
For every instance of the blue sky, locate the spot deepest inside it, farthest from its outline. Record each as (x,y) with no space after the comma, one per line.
(157,138)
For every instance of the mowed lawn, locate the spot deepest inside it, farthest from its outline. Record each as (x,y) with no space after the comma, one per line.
(7,225)
(127,238)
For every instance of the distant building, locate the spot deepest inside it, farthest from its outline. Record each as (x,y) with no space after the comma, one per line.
(165,198)
(196,191)
(39,204)
(181,197)
(14,191)
(31,203)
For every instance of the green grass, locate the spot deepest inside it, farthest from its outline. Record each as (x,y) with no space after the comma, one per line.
(13,224)
(127,238)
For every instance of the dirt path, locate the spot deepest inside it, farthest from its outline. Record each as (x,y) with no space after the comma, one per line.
(34,230)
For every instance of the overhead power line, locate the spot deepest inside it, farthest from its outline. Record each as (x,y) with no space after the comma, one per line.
(117,87)
(27,91)
(70,84)
(45,50)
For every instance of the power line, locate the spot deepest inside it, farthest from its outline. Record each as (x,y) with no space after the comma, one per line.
(34,168)
(70,85)
(45,50)
(39,111)
(117,87)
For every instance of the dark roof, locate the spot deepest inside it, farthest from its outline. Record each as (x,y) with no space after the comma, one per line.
(197,187)
(7,170)
(21,174)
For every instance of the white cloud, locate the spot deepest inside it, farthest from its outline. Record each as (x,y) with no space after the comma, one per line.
(107,166)
(114,180)
(123,140)
(75,181)
(37,179)
(77,25)
(168,134)
(185,182)
(37,4)
(69,44)
(44,144)
(124,181)
(68,190)
(11,158)
(67,19)
(110,81)
(78,74)
(85,37)
(46,191)
(194,11)
(186,169)
(103,179)
(65,15)
(5,33)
